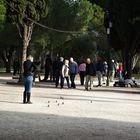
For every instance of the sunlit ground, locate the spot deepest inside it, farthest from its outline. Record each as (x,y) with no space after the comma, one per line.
(73,114)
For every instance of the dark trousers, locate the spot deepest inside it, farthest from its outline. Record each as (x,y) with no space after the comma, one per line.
(63,79)
(72,79)
(47,72)
(37,74)
(82,76)
(54,75)
(58,76)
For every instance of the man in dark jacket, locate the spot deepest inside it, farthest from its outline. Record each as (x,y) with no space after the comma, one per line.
(48,66)
(59,71)
(90,73)
(100,70)
(73,70)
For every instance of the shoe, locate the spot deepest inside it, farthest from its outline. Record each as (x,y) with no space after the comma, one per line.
(98,85)
(29,102)
(86,89)
(28,98)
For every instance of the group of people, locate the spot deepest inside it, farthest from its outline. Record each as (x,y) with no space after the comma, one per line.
(61,69)
(64,69)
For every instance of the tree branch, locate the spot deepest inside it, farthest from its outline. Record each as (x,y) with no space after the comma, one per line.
(19,31)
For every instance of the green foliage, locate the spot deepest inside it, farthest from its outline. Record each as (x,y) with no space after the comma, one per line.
(80,48)
(68,15)
(19,11)
(97,22)
(98,16)
(39,43)
(2,13)
(103,3)
(9,36)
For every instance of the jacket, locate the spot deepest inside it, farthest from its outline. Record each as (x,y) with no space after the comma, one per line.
(73,68)
(90,69)
(29,68)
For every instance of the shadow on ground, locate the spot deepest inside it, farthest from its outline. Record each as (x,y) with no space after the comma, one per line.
(32,126)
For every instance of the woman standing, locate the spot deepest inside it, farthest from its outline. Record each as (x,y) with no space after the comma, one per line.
(65,73)
(28,79)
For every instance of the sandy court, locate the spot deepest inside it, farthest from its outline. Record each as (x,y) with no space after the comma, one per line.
(69,114)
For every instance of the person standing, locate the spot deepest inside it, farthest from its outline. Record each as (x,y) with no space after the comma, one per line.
(120,72)
(105,71)
(59,71)
(54,68)
(37,70)
(65,73)
(48,66)
(100,70)
(82,69)
(112,70)
(73,69)
(16,66)
(28,79)
(90,73)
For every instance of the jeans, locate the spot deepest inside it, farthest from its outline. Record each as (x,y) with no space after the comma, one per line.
(120,76)
(28,83)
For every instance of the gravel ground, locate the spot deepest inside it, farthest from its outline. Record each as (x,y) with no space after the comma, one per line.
(69,114)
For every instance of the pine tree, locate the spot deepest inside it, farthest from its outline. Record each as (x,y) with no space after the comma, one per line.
(24,13)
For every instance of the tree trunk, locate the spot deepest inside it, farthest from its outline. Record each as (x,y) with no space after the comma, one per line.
(130,62)
(27,33)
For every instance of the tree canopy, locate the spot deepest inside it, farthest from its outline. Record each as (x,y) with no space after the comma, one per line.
(125,32)
(2,13)
(24,14)
(67,16)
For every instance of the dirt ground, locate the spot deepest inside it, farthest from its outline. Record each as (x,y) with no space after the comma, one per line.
(104,113)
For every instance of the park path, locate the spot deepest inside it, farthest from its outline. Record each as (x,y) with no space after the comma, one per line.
(69,114)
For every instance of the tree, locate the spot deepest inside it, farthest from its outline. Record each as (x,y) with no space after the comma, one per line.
(103,3)
(125,33)
(2,13)
(80,48)
(9,42)
(67,16)
(24,14)
(39,43)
